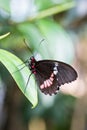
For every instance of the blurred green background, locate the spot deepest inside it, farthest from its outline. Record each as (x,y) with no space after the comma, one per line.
(63,26)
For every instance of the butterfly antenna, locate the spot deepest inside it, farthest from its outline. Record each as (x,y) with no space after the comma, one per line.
(41,41)
(28,46)
(40,44)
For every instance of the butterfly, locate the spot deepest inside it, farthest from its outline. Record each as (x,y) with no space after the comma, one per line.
(51,74)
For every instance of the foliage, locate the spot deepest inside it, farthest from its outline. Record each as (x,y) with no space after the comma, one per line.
(39,24)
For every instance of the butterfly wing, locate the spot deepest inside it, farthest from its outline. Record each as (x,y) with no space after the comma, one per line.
(52,74)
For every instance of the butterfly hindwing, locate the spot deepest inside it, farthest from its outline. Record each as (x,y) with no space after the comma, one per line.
(66,73)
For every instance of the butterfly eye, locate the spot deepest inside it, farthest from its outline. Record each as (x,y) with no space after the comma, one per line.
(32,58)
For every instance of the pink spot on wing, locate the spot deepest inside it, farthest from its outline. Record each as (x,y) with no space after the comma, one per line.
(50,82)
(42,86)
(47,83)
(52,75)
(51,79)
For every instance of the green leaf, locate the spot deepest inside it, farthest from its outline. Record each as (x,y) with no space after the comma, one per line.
(14,65)
(59,44)
(55,9)
(5,35)
(5,5)
(31,33)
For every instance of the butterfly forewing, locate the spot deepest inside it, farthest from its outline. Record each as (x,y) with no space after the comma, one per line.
(52,74)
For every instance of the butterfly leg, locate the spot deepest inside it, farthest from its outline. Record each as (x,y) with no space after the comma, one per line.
(27,82)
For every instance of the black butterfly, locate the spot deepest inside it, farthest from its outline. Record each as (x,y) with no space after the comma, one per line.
(51,74)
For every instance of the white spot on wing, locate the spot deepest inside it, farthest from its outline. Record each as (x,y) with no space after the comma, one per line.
(55,69)
(56,64)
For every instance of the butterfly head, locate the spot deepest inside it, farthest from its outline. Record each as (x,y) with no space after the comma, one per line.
(32,63)
(32,59)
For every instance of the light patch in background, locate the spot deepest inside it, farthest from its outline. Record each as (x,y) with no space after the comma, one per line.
(21,9)
(37,124)
(58,1)
(82,7)
(75,88)
(47,100)
(62,51)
